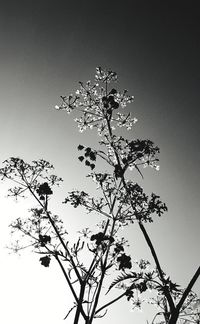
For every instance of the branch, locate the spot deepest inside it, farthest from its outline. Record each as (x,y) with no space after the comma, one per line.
(153,252)
(147,238)
(71,287)
(103,269)
(188,289)
(111,302)
(79,306)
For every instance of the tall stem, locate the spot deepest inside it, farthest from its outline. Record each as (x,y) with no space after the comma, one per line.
(153,252)
(145,234)
(103,271)
(79,309)
(175,314)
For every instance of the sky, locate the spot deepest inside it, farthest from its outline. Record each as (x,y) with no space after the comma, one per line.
(46,47)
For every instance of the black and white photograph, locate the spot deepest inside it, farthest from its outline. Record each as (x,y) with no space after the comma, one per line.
(99,163)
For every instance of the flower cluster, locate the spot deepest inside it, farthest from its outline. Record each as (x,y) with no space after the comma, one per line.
(98,104)
(77,198)
(125,120)
(105,76)
(136,205)
(27,176)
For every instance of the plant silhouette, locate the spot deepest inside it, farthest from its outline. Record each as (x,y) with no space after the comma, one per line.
(121,202)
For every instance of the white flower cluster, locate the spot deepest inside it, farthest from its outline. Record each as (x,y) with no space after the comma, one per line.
(153,164)
(105,75)
(68,103)
(98,105)
(123,98)
(125,120)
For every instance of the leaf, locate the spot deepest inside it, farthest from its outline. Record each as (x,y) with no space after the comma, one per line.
(92,165)
(99,237)
(71,309)
(44,189)
(132,275)
(102,315)
(124,262)
(45,261)
(87,151)
(80,147)
(129,294)
(92,156)
(118,248)
(87,163)
(81,158)
(44,239)
(116,105)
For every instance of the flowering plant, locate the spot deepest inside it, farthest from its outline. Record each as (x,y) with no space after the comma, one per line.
(121,202)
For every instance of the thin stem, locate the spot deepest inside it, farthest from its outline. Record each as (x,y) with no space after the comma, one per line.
(79,305)
(103,269)
(146,236)
(153,252)
(110,303)
(188,289)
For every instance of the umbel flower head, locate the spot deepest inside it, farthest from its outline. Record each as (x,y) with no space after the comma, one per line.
(98,104)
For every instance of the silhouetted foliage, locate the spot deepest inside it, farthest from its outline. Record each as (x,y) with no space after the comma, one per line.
(45,261)
(121,202)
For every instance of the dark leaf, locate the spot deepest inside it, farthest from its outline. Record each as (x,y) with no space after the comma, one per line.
(92,156)
(92,165)
(44,239)
(115,105)
(45,261)
(124,262)
(81,158)
(129,294)
(121,278)
(80,147)
(44,189)
(118,248)
(113,91)
(88,150)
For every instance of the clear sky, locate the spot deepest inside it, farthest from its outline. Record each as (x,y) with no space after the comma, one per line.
(46,47)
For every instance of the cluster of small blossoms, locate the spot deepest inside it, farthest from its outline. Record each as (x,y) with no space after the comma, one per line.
(68,103)
(152,163)
(98,105)
(88,103)
(123,98)
(155,166)
(106,76)
(125,120)
(84,122)
(89,96)
(88,121)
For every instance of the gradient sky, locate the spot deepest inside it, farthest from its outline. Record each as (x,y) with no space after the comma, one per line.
(46,47)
